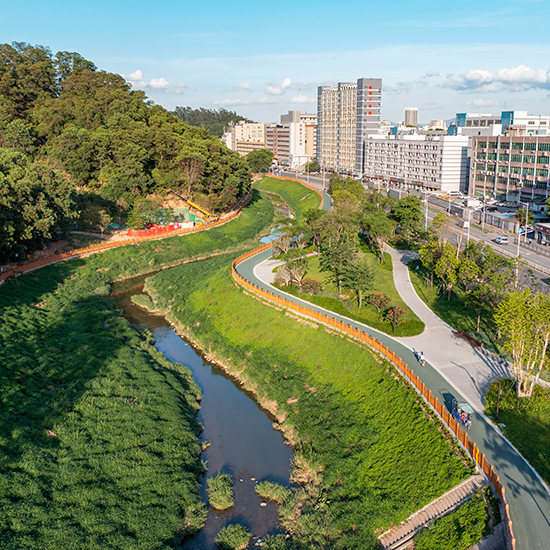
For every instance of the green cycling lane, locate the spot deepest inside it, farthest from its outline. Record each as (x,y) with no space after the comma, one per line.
(526,494)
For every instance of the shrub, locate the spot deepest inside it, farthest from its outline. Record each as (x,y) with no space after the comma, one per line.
(460,530)
(311,286)
(220,491)
(378,300)
(233,537)
(272,491)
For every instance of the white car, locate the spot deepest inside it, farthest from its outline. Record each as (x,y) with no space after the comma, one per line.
(501,240)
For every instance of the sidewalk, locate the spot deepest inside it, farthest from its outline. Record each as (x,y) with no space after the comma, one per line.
(464,366)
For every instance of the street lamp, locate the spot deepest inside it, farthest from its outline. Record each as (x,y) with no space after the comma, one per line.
(525,226)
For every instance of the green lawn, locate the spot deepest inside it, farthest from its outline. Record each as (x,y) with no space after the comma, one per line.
(362,437)
(526,421)
(299,198)
(383,282)
(454,311)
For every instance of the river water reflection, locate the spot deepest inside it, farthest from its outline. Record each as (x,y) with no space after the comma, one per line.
(243,440)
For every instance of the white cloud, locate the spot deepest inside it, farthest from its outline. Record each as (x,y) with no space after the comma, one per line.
(482,103)
(275,89)
(157,84)
(302,99)
(514,79)
(243,86)
(432,73)
(136,76)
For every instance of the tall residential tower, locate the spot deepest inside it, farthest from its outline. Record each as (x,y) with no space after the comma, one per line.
(346,114)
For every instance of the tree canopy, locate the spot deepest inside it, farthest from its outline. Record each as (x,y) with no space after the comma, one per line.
(85,130)
(215,122)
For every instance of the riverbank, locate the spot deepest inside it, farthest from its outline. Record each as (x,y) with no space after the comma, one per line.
(99,440)
(365,453)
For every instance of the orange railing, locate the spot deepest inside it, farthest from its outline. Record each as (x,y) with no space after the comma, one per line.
(448,418)
(30,266)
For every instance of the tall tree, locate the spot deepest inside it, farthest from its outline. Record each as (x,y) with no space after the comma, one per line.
(380,229)
(523,319)
(407,212)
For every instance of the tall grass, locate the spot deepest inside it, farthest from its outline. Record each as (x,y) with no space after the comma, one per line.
(99,439)
(366,454)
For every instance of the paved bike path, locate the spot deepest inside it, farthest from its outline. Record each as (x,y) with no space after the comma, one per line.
(527,496)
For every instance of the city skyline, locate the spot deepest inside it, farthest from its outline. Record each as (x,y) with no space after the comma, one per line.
(262,61)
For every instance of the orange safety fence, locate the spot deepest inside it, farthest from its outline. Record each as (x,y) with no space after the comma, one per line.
(30,266)
(448,418)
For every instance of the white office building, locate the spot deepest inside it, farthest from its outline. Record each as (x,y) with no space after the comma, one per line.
(438,163)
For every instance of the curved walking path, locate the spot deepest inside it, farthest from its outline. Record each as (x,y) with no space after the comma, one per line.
(454,370)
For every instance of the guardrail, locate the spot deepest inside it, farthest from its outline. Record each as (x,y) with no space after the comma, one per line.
(30,266)
(448,418)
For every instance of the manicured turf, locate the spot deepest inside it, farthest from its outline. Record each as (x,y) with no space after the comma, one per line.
(363,442)
(383,283)
(454,312)
(526,423)
(299,198)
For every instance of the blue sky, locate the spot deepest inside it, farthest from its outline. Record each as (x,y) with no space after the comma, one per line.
(262,59)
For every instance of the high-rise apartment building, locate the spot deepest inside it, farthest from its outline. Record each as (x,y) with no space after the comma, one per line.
(346,114)
(411,116)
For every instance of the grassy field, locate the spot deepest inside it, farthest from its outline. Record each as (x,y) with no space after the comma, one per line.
(527,423)
(299,199)
(460,530)
(454,311)
(99,439)
(366,455)
(383,282)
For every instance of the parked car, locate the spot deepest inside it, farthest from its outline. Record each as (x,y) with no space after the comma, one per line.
(501,240)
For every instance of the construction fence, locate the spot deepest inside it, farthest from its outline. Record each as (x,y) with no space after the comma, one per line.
(32,265)
(448,418)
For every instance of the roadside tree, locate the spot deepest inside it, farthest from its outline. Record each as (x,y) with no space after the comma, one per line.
(380,230)
(523,319)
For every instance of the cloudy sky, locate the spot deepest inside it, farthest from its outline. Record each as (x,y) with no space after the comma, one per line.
(263,59)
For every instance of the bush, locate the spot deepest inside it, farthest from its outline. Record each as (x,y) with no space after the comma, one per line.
(233,537)
(220,492)
(311,286)
(272,491)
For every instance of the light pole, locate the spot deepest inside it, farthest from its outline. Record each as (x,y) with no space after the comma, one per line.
(469,223)
(525,227)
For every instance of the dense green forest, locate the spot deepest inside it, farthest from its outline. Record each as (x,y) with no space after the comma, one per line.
(74,139)
(211,120)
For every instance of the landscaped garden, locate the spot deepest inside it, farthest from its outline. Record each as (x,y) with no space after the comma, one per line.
(525,421)
(317,288)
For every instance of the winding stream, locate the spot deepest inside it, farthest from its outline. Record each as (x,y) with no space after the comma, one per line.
(243,440)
